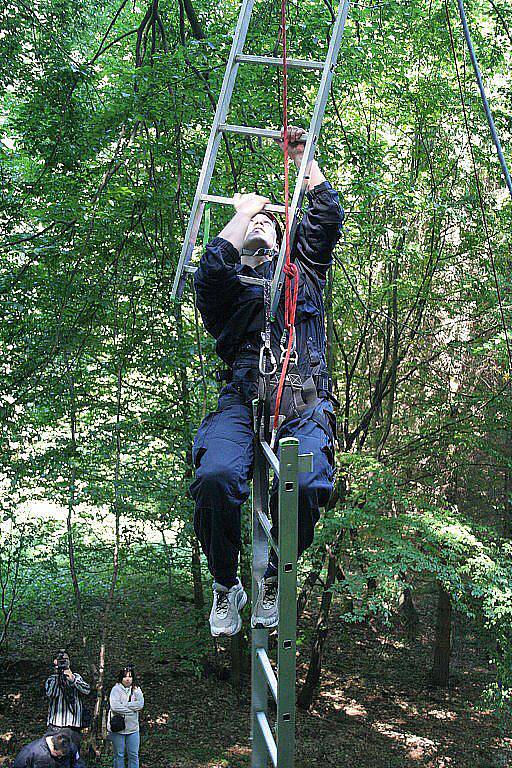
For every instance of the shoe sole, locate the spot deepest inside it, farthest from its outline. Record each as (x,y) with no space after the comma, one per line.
(264,623)
(219,632)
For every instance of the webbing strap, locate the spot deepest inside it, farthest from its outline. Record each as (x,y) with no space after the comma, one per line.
(267,368)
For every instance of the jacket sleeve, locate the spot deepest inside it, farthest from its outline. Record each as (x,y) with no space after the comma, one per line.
(80,684)
(116,705)
(51,687)
(319,230)
(24,758)
(137,702)
(217,284)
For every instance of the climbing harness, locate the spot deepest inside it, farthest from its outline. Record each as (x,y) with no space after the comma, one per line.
(267,369)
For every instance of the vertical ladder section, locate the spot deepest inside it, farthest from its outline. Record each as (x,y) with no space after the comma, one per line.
(281,747)
(259,645)
(287,631)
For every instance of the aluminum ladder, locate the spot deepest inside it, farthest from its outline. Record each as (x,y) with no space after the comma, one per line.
(221,127)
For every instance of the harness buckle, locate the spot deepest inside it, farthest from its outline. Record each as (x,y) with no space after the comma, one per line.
(284,348)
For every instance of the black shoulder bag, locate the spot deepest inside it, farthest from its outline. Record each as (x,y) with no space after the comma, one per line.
(117,721)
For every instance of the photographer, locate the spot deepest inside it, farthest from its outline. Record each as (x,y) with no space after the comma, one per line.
(57,751)
(65,689)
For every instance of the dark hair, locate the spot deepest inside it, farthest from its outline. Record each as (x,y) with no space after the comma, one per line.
(62,743)
(75,737)
(122,672)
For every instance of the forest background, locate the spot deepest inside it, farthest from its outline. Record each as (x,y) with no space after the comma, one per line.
(405,641)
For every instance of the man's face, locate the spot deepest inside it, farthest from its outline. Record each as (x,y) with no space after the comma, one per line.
(261,233)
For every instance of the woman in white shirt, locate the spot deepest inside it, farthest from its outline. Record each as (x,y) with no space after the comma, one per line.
(126,699)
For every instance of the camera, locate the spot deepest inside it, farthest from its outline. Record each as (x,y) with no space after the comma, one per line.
(62,661)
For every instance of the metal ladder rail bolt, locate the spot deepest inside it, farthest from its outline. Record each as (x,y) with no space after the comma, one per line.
(220,127)
(280,749)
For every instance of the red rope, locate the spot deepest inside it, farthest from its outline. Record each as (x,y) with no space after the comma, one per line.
(290,270)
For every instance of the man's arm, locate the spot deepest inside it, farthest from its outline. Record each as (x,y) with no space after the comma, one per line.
(296,147)
(51,686)
(246,206)
(137,702)
(24,758)
(216,279)
(80,684)
(320,228)
(116,705)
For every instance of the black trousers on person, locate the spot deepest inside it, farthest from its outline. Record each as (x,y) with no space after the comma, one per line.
(223,455)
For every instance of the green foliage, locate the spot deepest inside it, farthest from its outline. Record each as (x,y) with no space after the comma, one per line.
(185,644)
(104,120)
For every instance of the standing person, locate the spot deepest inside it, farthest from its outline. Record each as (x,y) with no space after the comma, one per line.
(233,312)
(126,699)
(57,751)
(65,689)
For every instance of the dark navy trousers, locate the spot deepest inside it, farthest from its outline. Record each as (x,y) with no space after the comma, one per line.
(223,456)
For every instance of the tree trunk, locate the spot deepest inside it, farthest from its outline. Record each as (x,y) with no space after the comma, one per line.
(236,653)
(196,575)
(69,521)
(307,693)
(442,651)
(7,604)
(168,559)
(105,621)
(193,19)
(310,581)
(408,613)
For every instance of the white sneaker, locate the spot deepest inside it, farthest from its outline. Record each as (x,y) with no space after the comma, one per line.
(225,616)
(266,610)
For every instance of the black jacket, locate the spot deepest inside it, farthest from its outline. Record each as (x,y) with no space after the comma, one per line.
(37,755)
(233,312)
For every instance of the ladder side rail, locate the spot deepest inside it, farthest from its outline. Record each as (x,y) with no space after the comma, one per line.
(212,147)
(311,141)
(287,634)
(259,637)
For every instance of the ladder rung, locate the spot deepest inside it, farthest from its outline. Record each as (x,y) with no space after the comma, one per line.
(270,456)
(266,525)
(262,657)
(277,62)
(262,721)
(248,130)
(229,201)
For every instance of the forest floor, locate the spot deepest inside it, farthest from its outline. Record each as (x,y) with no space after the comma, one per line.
(375,708)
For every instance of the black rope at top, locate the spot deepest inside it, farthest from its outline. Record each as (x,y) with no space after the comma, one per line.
(488,112)
(479,191)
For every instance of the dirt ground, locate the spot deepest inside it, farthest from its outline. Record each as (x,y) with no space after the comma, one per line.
(375,708)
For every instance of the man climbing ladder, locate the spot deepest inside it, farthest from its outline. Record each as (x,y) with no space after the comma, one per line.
(236,313)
